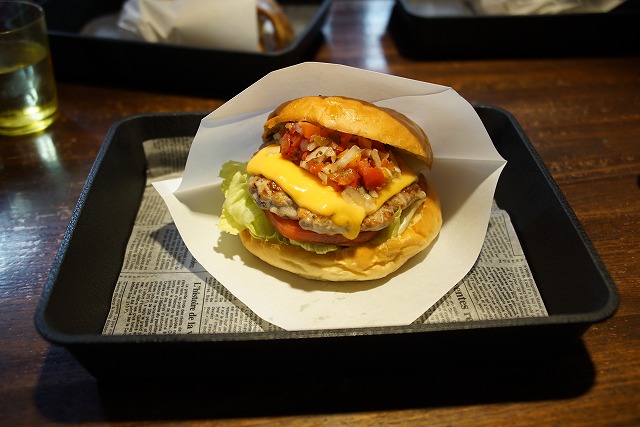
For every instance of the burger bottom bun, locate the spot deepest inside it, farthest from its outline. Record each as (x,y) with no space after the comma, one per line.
(356,263)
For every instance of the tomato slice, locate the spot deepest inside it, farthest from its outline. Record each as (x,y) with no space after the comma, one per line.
(291,230)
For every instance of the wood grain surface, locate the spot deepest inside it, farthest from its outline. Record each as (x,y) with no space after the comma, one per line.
(582,114)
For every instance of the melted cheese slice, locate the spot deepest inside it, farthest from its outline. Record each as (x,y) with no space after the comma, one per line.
(308,191)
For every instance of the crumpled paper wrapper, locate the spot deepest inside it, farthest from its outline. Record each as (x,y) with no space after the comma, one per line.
(543,7)
(222,24)
(465,172)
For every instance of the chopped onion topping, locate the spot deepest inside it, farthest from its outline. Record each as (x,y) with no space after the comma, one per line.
(363,199)
(347,157)
(353,165)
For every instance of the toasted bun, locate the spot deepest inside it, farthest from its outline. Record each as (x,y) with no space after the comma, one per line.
(356,263)
(276,32)
(355,117)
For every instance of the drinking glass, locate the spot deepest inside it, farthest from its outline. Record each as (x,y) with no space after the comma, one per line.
(28,98)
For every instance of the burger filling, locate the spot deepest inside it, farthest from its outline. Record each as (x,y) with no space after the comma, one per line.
(338,159)
(270,197)
(357,168)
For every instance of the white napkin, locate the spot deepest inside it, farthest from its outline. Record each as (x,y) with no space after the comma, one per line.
(543,7)
(222,24)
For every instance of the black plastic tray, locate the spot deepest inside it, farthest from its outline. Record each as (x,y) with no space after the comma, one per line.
(574,284)
(162,67)
(422,36)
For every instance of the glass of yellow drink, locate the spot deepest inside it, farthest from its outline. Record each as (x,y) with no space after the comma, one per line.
(28,98)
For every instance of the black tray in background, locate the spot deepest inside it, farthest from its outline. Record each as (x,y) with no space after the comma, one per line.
(162,67)
(451,34)
(573,282)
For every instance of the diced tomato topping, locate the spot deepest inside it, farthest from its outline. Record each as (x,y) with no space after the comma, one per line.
(373,177)
(285,143)
(309,130)
(347,177)
(359,171)
(290,147)
(334,184)
(291,229)
(316,167)
(345,138)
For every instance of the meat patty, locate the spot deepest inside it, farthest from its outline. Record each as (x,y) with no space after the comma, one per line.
(269,196)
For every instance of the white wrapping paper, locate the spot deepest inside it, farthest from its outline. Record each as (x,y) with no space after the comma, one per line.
(465,172)
(544,7)
(223,24)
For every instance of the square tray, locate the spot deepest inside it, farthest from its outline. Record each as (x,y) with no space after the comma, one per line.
(169,68)
(424,32)
(573,282)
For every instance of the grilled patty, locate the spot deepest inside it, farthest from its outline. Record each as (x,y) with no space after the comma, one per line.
(269,196)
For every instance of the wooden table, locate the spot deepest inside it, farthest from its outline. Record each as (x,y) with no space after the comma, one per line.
(583,117)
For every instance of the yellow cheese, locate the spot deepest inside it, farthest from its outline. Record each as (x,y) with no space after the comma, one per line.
(308,191)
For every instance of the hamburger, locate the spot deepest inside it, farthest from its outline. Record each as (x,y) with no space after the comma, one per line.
(335,191)
(275,30)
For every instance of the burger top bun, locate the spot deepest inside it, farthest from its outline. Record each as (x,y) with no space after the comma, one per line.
(370,261)
(355,117)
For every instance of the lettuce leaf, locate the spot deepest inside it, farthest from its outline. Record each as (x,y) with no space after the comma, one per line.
(401,221)
(314,247)
(239,211)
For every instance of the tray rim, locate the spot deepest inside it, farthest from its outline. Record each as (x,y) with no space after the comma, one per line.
(219,73)
(581,320)
(323,6)
(423,37)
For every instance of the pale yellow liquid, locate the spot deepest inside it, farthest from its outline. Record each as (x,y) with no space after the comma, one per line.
(28,100)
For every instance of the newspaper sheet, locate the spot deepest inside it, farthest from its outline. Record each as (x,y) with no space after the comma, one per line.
(162,289)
